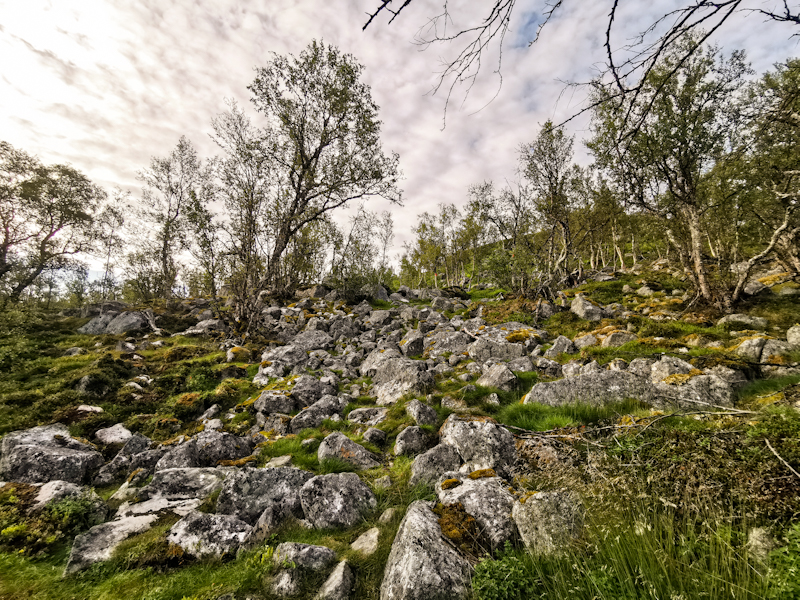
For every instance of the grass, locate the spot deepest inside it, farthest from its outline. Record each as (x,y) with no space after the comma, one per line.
(539,417)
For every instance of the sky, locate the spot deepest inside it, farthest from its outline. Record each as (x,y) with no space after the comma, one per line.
(107,84)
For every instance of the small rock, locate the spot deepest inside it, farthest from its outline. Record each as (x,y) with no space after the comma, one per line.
(367,542)
(337,445)
(339,584)
(375,436)
(117,434)
(422,413)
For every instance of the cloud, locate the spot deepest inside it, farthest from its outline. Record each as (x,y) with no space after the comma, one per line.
(106,84)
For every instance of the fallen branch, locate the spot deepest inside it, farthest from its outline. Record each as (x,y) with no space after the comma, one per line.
(780,458)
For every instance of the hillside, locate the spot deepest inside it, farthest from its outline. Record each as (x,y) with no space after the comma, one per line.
(620,443)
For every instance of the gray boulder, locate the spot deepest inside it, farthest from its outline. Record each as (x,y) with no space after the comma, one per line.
(46,453)
(308,389)
(247,493)
(369,416)
(561,345)
(596,388)
(421,564)
(481,443)
(548,521)
(667,366)
(618,338)
(774,350)
(339,584)
(98,544)
(585,341)
(97,325)
(183,484)
(483,349)
(746,320)
(375,436)
(126,322)
(413,343)
(411,441)
(207,449)
(793,336)
(422,413)
(499,376)
(275,362)
(586,309)
(454,342)
(116,434)
(487,500)
(275,402)
(336,500)
(751,348)
(313,340)
(325,408)
(304,556)
(339,446)
(202,535)
(394,376)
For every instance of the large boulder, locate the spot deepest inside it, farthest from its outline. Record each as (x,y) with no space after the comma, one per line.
(586,309)
(483,349)
(481,443)
(183,484)
(207,449)
(304,556)
(413,343)
(394,376)
(487,500)
(98,544)
(745,321)
(412,440)
(308,389)
(421,564)
(247,493)
(499,376)
(339,584)
(548,521)
(793,336)
(427,467)
(97,325)
(202,535)
(561,345)
(454,342)
(277,362)
(127,322)
(369,415)
(325,408)
(271,401)
(46,453)
(422,413)
(313,340)
(597,388)
(339,446)
(336,500)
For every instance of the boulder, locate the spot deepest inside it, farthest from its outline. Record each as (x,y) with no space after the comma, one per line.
(126,322)
(522,364)
(55,491)
(585,341)
(668,366)
(183,484)
(98,544)
(46,453)
(413,343)
(116,434)
(367,542)
(422,413)
(339,446)
(313,416)
(336,500)
(454,342)
(339,584)
(271,401)
(394,376)
(202,535)
(585,309)
(548,521)
(751,348)
(596,388)
(304,556)
(308,389)
(277,361)
(411,441)
(746,320)
(421,564)
(375,436)
(97,325)
(618,338)
(561,345)
(313,340)
(793,336)
(487,500)
(481,443)
(207,449)
(483,349)
(368,416)
(247,493)
(499,376)
(774,350)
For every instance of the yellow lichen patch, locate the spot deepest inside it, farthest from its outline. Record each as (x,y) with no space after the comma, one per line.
(133,474)
(264,364)
(448,484)
(770,399)
(236,463)
(521,335)
(681,378)
(481,473)
(526,496)
(460,527)
(627,421)
(777,359)
(772,280)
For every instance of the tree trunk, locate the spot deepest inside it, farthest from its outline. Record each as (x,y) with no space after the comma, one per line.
(696,252)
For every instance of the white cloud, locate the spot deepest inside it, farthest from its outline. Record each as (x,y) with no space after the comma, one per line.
(105,84)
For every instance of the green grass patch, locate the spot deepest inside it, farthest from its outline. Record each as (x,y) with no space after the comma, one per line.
(540,417)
